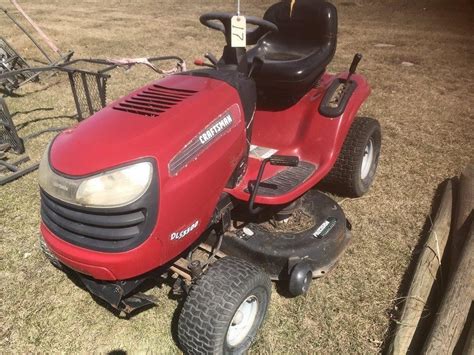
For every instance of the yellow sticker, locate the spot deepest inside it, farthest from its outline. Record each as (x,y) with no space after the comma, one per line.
(239,31)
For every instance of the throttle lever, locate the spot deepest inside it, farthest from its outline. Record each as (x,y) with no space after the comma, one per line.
(211,58)
(354,64)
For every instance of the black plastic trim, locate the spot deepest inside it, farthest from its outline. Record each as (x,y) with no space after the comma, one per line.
(96,220)
(103,229)
(95,232)
(245,86)
(157,99)
(325,109)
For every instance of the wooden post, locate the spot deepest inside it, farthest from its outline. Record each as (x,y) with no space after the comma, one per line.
(462,214)
(425,275)
(469,345)
(454,309)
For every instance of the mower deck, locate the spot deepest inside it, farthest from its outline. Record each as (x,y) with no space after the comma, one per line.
(321,243)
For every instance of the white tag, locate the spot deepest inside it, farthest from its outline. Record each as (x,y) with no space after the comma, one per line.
(239,31)
(261,152)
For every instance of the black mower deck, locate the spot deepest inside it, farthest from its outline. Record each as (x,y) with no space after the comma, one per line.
(321,243)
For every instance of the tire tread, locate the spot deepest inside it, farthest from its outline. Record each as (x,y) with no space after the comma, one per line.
(343,177)
(211,303)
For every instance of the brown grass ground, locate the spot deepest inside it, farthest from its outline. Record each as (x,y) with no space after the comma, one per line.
(427,118)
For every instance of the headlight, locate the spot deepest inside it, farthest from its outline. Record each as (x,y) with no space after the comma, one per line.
(113,188)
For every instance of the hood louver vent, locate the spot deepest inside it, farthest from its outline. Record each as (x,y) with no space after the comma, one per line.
(154,100)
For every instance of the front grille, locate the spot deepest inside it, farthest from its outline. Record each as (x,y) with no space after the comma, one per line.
(110,230)
(154,100)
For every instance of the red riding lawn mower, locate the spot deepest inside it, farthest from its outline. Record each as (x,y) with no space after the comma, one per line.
(208,176)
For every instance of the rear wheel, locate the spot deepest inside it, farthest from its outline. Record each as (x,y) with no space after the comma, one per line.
(354,170)
(225,308)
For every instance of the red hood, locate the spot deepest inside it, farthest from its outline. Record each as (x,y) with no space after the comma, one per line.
(113,137)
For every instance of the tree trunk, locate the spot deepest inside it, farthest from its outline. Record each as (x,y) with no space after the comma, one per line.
(452,314)
(425,275)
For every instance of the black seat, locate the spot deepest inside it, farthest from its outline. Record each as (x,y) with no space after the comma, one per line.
(295,57)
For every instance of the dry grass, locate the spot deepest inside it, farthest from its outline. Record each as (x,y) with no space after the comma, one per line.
(427,118)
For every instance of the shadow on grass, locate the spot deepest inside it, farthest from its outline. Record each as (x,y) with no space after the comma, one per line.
(31,111)
(434,297)
(6,93)
(117,352)
(153,281)
(41,119)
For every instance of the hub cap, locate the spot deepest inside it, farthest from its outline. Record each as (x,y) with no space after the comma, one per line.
(367,160)
(243,320)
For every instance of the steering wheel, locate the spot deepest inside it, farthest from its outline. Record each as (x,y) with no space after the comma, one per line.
(224,25)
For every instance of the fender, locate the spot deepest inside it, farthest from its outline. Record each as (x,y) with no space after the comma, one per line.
(303,131)
(344,121)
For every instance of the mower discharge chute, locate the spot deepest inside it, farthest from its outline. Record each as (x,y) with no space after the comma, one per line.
(209,176)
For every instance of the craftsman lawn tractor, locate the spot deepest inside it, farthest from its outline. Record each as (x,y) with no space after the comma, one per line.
(208,176)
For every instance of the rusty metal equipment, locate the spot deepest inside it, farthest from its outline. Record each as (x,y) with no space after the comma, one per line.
(88,86)
(11,142)
(8,133)
(10,60)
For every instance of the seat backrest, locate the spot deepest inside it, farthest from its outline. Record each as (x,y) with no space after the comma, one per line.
(296,56)
(314,20)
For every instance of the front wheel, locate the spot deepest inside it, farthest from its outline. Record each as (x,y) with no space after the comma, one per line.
(225,308)
(354,170)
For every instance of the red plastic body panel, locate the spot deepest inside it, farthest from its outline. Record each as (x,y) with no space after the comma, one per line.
(302,131)
(113,137)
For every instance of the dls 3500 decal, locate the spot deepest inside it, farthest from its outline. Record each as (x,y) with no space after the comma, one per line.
(183,233)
